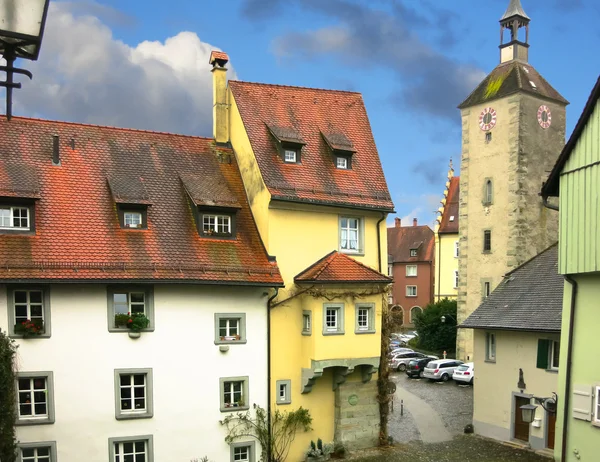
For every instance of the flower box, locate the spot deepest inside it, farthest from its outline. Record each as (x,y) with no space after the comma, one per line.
(30,328)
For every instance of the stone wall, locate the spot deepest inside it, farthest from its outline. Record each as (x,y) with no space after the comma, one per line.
(357,415)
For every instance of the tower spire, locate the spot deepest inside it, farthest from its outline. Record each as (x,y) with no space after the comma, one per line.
(514,18)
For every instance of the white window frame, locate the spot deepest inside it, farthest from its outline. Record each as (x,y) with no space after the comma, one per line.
(456,279)
(490,347)
(216,223)
(411,274)
(237,386)
(290,156)
(133,219)
(120,441)
(596,401)
(341,163)
(11,218)
(12,310)
(359,310)
(306,322)
(249,445)
(148,305)
(284,391)
(347,229)
(50,445)
(408,291)
(230,339)
(338,309)
(414,252)
(134,413)
(456,249)
(48,417)
(551,364)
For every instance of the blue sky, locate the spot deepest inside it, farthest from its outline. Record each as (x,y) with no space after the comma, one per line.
(143,64)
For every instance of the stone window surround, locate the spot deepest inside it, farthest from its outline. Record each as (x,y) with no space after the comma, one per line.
(310,322)
(123,439)
(410,313)
(485,200)
(49,376)
(288,391)
(40,444)
(596,401)
(483,289)
(340,318)
(242,328)
(124,415)
(10,289)
(488,336)
(456,279)
(371,318)
(245,393)
(241,444)
(483,249)
(149,304)
(416,293)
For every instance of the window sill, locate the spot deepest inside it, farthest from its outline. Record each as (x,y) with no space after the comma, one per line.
(235,408)
(125,330)
(284,402)
(134,415)
(491,361)
(340,332)
(552,371)
(411,276)
(411,296)
(29,337)
(307,334)
(358,253)
(486,252)
(231,342)
(368,331)
(27,422)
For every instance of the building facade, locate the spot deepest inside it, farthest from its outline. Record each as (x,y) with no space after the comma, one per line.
(447,249)
(319,198)
(517,354)
(511,125)
(575,180)
(101,226)
(411,261)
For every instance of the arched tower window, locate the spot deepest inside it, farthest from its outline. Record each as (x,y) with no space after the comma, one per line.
(414,311)
(488,192)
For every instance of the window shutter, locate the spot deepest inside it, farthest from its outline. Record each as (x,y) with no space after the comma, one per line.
(582,402)
(542,353)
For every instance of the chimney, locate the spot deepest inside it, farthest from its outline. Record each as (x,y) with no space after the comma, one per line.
(398,222)
(55,150)
(414,222)
(218,59)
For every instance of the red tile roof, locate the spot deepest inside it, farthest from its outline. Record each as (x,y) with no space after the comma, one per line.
(77,232)
(448,226)
(312,113)
(338,267)
(402,239)
(218,55)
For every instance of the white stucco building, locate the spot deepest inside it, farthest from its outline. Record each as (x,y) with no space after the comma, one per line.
(98,226)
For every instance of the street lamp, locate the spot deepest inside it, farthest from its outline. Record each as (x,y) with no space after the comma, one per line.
(21,28)
(528,413)
(443,318)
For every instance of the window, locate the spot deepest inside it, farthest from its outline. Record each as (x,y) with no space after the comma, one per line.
(216,225)
(37,452)
(133,394)
(390,300)
(35,398)
(230,328)
(306,322)
(554,355)
(390,270)
(234,393)
(456,279)
(487,289)
(132,219)
(29,311)
(548,354)
(597,406)
(243,452)
(365,318)
(333,319)
(284,390)
(411,270)
(413,252)
(14,218)
(488,137)
(127,301)
(132,448)
(414,312)
(456,249)
(488,192)
(350,234)
(411,291)
(487,241)
(342,163)
(289,155)
(490,347)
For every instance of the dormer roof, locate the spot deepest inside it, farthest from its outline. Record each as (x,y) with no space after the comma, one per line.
(209,191)
(337,267)
(128,189)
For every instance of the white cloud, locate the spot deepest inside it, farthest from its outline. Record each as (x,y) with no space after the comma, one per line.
(422,207)
(84,74)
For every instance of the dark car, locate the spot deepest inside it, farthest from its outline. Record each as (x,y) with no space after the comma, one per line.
(415,367)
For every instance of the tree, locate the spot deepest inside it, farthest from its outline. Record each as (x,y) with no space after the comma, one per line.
(8,443)
(284,426)
(435,335)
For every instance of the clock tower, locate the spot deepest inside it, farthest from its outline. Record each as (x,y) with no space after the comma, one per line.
(513,128)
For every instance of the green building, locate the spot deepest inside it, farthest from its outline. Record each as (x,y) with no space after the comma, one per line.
(575,179)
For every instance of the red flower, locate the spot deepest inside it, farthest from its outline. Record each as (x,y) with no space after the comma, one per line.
(130,320)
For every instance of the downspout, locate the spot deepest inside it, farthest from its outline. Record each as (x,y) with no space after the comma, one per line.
(567,398)
(379,239)
(269,371)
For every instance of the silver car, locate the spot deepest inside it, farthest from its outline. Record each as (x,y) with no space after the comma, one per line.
(442,369)
(400,361)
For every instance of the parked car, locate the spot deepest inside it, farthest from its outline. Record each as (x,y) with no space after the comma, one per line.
(464,373)
(441,369)
(401,360)
(416,366)
(397,351)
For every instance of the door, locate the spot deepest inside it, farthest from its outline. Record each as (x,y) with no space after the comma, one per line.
(551,429)
(521,428)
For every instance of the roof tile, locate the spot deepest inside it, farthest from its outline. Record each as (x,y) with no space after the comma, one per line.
(337,267)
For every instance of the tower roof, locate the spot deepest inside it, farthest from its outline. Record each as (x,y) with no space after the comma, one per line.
(514,9)
(512,77)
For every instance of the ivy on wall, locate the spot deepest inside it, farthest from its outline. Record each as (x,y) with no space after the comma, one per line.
(8,443)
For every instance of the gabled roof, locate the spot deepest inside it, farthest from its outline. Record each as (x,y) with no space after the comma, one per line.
(512,77)
(552,186)
(530,298)
(449,218)
(309,112)
(77,233)
(336,267)
(514,9)
(402,239)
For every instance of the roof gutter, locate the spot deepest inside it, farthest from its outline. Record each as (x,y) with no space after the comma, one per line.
(383,214)
(547,204)
(271,298)
(567,397)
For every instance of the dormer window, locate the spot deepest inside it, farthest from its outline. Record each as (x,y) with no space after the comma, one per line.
(342,163)
(133,216)
(413,252)
(129,194)
(289,143)
(216,225)
(290,156)
(132,219)
(341,148)
(14,218)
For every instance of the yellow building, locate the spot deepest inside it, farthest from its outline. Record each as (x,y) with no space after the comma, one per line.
(319,198)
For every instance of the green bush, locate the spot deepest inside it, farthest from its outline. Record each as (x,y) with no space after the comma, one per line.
(435,335)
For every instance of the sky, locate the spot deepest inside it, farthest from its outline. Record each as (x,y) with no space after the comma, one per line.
(144,64)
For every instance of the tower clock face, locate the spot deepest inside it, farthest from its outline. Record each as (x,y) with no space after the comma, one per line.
(487,119)
(544,116)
